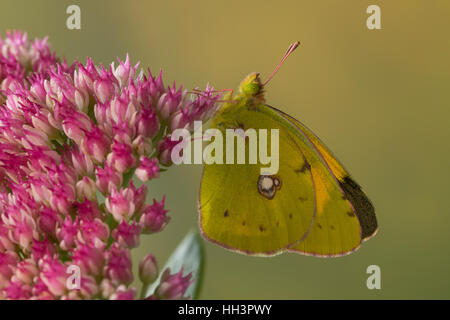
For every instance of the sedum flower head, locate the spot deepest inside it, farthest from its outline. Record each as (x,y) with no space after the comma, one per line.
(72,137)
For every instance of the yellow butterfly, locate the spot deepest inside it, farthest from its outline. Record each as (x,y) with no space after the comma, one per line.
(310,206)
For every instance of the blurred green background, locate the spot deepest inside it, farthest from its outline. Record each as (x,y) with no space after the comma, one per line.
(379,99)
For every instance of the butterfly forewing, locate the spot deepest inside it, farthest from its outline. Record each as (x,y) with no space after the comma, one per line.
(236,213)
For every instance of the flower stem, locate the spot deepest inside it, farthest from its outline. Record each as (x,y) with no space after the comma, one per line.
(144,290)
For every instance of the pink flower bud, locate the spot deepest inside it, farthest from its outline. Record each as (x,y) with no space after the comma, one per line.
(165,148)
(122,110)
(107,288)
(124,72)
(24,231)
(66,234)
(41,249)
(148,269)
(75,125)
(88,210)
(119,265)
(86,189)
(154,217)
(53,274)
(40,291)
(85,75)
(122,293)
(82,164)
(108,179)
(26,271)
(121,158)
(155,86)
(147,123)
(179,120)
(89,259)
(62,198)
(142,146)
(123,133)
(88,287)
(10,83)
(170,102)
(95,144)
(139,196)
(121,204)
(103,89)
(35,137)
(37,90)
(8,261)
(48,220)
(173,286)
(127,234)
(17,290)
(41,123)
(40,191)
(5,242)
(148,169)
(93,232)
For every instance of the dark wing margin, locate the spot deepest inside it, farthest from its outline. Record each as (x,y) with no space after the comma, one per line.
(363,207)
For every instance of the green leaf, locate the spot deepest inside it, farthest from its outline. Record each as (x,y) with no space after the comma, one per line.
(190,254)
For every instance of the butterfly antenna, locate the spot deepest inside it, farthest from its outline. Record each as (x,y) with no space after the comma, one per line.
(202,94)
(208,137)
(213,91)
(291,49)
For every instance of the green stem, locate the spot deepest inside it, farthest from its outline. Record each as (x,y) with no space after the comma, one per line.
(127,177)
(144,289)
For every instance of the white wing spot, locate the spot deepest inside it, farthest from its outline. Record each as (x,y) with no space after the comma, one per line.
(268,186)
(267,183)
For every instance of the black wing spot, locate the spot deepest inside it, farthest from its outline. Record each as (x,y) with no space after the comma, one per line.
(226,213)
(240,125)
(319,226)
(244,223)
(306,167)
(332,227)
(350,213)
(290,215)
(302,199)
(261,228)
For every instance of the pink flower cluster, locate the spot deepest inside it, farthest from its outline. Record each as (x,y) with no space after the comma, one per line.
(72,138)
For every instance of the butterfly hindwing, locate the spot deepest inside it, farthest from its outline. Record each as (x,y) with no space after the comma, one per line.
(345,215)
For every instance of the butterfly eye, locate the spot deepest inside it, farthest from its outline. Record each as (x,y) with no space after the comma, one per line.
(251,89)
(268,186)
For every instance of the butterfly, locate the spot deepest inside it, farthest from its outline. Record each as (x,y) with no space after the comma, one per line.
(311,206)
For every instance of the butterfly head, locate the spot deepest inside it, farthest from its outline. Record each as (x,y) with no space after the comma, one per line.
(251,88)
